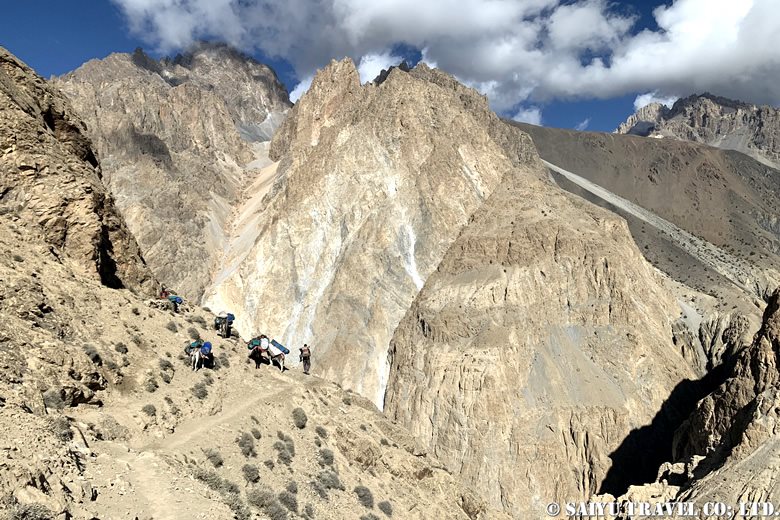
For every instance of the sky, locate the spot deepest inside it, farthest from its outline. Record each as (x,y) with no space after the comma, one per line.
(582,64)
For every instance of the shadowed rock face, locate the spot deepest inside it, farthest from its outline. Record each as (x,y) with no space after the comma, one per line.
(51,179)
(374,184)
(541,340)
(724,123)
(174,137)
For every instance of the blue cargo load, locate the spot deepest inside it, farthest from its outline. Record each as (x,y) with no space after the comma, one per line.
(280,346)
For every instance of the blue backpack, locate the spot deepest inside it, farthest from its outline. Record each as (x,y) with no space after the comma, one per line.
(230,318)
(175,299)
(206,348)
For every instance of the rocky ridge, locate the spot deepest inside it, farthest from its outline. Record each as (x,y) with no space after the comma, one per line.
(713,120)
(373,182)
(179,140)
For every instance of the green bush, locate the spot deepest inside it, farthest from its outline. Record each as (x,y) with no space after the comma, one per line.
(149,410)
(289,501)
(214,457)
(199,391)
(326,457)
(365,496)
(386,507)
(251,473)
(299,418)
(247,445)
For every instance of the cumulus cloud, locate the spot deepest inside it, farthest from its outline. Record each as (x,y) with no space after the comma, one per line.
(372,64)
(653,97)
(518,52)
(532,115)
(583,125)
(301,88)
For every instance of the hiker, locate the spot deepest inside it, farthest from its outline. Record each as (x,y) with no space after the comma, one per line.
(164,293)
(206,357)
(305,358)
(257,347)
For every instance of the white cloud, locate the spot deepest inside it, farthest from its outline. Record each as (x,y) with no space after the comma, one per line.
(583,125)
(653,97)
(301,88)
(532,115)
(372,64)
(516,51)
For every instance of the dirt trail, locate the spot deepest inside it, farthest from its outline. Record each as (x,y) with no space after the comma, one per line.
(742,274)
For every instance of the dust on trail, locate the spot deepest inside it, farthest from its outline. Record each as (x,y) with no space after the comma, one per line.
(737,271)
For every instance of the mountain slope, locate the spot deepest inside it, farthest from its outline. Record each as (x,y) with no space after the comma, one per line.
(179,140)
(716,121)
(102,416)
(538,349)
(722,197)
(373,183)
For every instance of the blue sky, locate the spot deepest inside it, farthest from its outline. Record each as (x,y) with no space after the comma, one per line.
(55,37)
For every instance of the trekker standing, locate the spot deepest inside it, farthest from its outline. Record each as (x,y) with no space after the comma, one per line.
(306,358)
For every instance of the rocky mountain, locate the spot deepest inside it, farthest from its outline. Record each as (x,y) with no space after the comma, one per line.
(373,183)
(102,416)
(713,120)
(724,200)
(180,140)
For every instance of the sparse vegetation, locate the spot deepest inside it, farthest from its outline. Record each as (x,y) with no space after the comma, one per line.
(93,355)
(166,377)
(330,480)
(308,511)
(384,442)
(247,445)
(121,348)
(61,428)
(135,311)
(292,487)
(386,507)
(269,464)
(200,320)
(231,494)
(214,457)
(251,473)
(365,496)
(208,379)
(171,326)
(321,432)
(165,364)
(52,399)
(193,333)
(369,516)
(283,455)
(18,511)
(200,391)
(256,433)
(326,457)
(287,441)
(223,360)
(17,258)
(149,410)
(289,501)
(299,418)
(138,340)
(266,502)
(317,442)
(150,385)
(346,400)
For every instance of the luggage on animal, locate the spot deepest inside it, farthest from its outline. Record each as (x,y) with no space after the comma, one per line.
(280,347)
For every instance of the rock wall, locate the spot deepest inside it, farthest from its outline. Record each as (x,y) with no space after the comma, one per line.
(52,180)
(176,140)
(537,360)
(374,183)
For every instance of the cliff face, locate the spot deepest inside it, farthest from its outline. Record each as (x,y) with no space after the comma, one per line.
(538,344)
(52,181)
(178,140)
(716,121)
(373,184)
